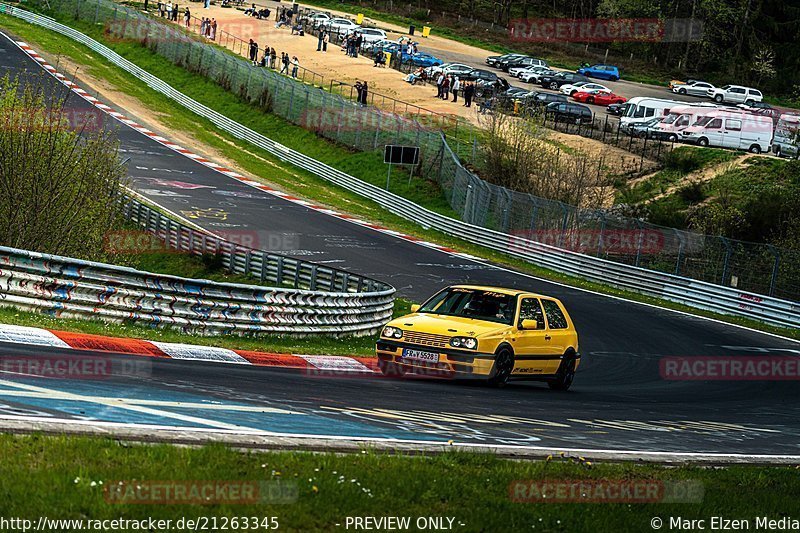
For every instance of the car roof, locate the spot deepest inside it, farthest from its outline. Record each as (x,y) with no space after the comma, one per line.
(501,290)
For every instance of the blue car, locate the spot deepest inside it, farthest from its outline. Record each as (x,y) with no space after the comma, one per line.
(421,59)
(604,72)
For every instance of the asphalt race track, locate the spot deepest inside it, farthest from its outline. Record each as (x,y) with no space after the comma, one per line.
(619,399)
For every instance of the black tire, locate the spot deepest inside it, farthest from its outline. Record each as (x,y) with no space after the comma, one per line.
(702,141)
(590,100)
(755,149)
(673,138)
(565,375)
(614,78)
(553,86)
(681,91)
(503,366)
(778,151)
(718,98)
(749,102)
(642,134)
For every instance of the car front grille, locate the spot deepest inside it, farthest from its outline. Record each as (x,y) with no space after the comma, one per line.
(426,339)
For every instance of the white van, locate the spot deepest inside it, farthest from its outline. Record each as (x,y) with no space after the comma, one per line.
(641,109)
(679,118)
(735,129)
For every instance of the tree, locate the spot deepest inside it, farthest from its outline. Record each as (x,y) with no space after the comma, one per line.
(60,177)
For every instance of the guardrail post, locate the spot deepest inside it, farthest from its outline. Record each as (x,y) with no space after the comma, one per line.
(313,285)
(248,257)
(278,269)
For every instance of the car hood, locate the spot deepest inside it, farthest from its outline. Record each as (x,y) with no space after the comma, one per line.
(442,325)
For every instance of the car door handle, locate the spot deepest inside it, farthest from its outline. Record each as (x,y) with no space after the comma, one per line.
(547,337)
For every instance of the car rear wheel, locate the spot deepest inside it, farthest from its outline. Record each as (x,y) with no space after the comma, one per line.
(614,78)
(718,98)
(590,100)
(673,138)
(681,91)
(503,365)
(755,149)
(554,86)
(565,375)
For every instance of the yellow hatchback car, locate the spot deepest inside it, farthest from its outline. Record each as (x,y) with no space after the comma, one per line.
(467,331)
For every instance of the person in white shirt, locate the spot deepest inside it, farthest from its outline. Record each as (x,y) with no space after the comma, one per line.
(455,88)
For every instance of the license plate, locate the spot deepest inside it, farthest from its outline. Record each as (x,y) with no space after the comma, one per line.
(430,357)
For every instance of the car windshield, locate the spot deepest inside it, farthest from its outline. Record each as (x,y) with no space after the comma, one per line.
(472,303)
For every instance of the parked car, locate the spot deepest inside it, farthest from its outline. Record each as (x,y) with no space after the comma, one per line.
(674,83)
(480,76)
(735,94)
(694,88)
(536,99)
(523,62)
(604,72)
(532,75)
(786,142)
(585,86)
(315,19)
(555,81)
(566,112)
(339,25)
(493,61)
(728,128)
(598,97)
(459,69)
(420,59)
(371,35)
(646,130)
(615,109)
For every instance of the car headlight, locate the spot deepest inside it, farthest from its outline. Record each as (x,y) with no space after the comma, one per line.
(392,332)
(469,343)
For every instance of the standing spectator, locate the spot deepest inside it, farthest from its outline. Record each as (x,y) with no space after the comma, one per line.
(364,92)
(213,34)
(320,38)
(445,88)
(295,66)
(161,9)
(439,83)
(273,57)
(285,63)
(169,10)
(469,92)
(145,5)
(174,12)
(359,88)
(187,17)
(359,42)
(253,51)
(325,39)
(265,58)
(203,26)
(455,88)
(206,4)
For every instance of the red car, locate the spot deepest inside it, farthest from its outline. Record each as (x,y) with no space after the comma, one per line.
(599,98)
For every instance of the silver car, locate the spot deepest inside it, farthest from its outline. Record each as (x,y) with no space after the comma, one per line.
(694,88)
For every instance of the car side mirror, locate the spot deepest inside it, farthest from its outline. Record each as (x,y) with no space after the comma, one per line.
(529,324)
(414,308)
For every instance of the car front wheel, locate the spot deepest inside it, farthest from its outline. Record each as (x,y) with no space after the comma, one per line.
(718,98)
(503,366)
(755,149)
(554,86)
(702,141)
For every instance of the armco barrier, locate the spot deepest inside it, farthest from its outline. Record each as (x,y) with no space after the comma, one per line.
(697,294)
(336,303)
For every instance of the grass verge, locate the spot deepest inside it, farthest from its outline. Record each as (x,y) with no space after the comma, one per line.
(261,164)
(67,478)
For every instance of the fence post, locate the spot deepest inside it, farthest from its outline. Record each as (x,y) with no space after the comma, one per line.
(467,199)
(680,252)
(639,242)
(600,239)
(774,281)
(726,263)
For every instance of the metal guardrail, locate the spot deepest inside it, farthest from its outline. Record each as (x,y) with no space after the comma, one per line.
(693,293)
(336,303)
